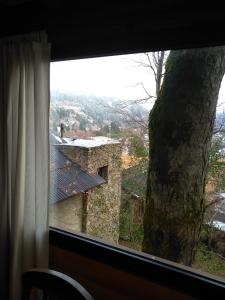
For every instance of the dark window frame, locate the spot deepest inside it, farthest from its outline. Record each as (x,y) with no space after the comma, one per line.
(103,172)
(161,271)
(188,280)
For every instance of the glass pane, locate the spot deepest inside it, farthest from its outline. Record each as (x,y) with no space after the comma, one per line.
(137,153)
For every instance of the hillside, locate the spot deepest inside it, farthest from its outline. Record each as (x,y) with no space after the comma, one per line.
(89,112)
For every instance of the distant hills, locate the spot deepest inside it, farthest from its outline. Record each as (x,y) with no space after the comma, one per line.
(90,112)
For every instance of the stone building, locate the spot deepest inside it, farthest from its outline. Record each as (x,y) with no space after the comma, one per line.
(88,199)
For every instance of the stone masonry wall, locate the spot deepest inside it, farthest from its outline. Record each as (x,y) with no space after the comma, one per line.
(103,206)
(77,154)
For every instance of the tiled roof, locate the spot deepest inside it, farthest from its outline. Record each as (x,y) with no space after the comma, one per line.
(67,178)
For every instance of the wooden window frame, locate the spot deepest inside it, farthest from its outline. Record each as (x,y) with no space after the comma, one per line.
(164,272)
(188,280)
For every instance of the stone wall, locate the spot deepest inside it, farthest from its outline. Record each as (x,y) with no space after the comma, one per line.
(103,206)
(78,154)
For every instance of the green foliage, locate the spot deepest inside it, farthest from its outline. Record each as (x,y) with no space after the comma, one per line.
(136,186)
(134,182)
(125,223)
(216,167)
(137,233)
(207,261)
(136,177)
(214,155)
(137,147)
(130,232)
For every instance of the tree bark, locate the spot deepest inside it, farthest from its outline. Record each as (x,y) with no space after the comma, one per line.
(180,131)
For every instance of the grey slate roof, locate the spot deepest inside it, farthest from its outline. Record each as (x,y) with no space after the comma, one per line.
(67,178)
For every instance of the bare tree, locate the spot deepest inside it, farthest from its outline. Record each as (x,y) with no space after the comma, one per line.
(219,126)
(155,62)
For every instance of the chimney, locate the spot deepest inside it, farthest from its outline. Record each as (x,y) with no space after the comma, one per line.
(62,130)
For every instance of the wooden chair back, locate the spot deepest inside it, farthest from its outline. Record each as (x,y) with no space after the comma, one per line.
(55,285)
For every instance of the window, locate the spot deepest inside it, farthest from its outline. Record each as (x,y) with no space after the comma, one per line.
(100,149)
(103,172)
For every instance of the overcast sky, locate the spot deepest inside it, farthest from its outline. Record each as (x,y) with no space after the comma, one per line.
(116,76)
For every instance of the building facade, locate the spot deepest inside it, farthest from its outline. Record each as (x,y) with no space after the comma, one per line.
(95,209)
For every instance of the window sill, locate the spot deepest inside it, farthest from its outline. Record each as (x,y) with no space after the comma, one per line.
(151,268)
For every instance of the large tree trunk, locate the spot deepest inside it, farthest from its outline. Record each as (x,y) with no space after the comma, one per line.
(180,130)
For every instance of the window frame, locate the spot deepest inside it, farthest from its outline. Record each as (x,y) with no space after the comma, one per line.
(167,273)
(190,281)
(103,172)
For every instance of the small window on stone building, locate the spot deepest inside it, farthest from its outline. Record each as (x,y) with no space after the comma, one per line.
(103,172)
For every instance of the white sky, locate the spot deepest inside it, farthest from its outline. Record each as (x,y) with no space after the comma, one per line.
(116,76)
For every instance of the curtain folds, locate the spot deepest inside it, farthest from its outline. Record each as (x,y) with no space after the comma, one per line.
(24,158)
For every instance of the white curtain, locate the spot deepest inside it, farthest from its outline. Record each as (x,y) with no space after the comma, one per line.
(24,158)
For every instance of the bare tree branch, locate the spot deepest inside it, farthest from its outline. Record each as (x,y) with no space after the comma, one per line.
(220,128)
(151,66)
(149,96)
(155,62)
